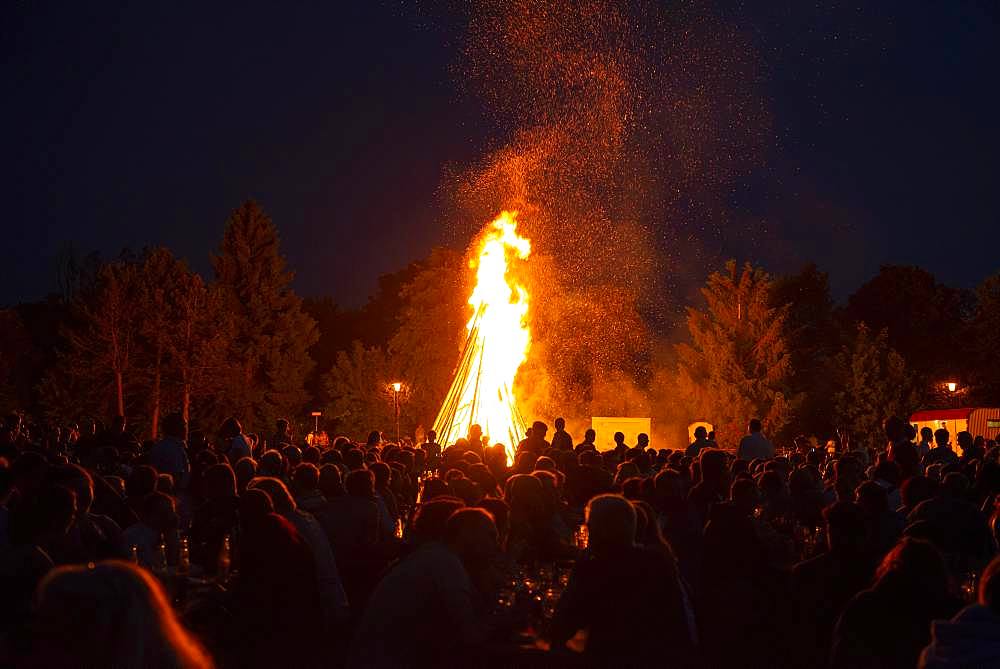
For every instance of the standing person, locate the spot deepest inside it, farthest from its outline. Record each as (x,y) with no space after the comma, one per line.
(620,448)
(755,446)
(535,441)
(169,454)
(926,442)
(700,441)
(232,442)
(431,446)
(588,442)
(561,439)
(475,441)
(942,452)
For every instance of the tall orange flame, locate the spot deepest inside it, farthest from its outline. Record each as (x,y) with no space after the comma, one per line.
(482,392)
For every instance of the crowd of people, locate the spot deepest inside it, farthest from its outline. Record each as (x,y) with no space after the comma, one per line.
(234,550)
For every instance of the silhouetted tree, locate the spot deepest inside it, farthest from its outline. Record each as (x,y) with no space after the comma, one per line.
(95,366)
(425,348)
(421,351)
(158,278)
(358,387)
(271,334)
(925,321)
(873,382)
(813,341)
(18,361)
(737,365)
(985,343)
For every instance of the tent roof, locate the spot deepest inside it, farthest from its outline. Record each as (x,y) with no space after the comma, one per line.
(942,414)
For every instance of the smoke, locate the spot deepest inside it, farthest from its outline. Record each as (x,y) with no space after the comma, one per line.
(625,125)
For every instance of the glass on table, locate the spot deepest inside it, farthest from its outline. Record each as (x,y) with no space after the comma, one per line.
(582,537)
(969,586)
(505,599)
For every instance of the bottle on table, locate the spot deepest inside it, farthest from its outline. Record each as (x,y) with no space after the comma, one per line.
(225,560)
(184,556)
(160,561)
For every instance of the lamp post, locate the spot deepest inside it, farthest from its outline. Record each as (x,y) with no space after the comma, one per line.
(952,387)
(396,387)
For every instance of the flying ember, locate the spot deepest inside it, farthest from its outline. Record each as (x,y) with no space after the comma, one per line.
(482,392)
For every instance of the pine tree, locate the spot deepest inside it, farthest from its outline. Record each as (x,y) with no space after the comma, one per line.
(425,348)
(813,338)
(737,365)
(198,344)
(271,333)
(95,368)
(873,383)
(985,378)
(157,280)
(358,387)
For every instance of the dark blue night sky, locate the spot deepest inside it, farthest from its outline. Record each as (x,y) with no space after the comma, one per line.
(147,123)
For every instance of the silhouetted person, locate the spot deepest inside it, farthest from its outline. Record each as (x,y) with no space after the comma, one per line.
(926,442)
(823,585)
(352,525)
(276,598)
(561,439)
(589,437)
(424,612)
(112,614)
(942,452)
(713,487)
(700,442)
(629,597)
(620,448)
(535,442)
(887,625)
(431,446)
(755,445)
(169,454)
(971,638)
(332,594)
(232,442)
(970,451)
(282,436)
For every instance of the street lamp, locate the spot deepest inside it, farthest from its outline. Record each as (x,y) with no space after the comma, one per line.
(952,386)
(396,387)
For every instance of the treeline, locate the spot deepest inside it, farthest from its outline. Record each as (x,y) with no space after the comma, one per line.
(142,335)
(779,348)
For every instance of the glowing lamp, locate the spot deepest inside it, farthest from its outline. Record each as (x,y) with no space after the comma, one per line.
(399,386)
(951,386)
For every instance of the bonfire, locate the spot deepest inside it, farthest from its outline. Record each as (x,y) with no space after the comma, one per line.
(482,391)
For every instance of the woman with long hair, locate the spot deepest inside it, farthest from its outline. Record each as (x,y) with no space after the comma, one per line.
(889,624)
(112,614)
